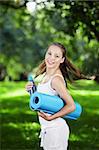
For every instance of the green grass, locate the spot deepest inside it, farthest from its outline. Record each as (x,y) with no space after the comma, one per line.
(19,126)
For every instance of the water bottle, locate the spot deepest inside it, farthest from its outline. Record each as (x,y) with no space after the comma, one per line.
(30,79)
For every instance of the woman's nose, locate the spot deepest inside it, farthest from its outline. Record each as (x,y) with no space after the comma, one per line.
(52,57)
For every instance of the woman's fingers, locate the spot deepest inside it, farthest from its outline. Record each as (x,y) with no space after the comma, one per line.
(29,86)
(46,117)
(41,114)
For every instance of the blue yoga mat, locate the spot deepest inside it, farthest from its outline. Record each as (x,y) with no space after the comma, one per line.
(52,104)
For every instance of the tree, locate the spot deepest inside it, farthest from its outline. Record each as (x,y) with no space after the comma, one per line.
(25,36)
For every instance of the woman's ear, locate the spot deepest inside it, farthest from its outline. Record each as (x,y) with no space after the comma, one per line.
(62,60)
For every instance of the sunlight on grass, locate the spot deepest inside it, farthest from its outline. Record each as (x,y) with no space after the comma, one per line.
(74,137)
(18,92)
(17,111)
(92,111)
(26,125)
(85,82)
(84,92)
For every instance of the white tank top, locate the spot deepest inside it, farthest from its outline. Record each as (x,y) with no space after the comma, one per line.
(46,88)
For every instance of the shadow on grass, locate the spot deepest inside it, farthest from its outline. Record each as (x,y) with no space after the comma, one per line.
(80,145)
(84,132)
(20,128)
(19,138)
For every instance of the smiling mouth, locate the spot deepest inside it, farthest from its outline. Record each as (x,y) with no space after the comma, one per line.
(51,63)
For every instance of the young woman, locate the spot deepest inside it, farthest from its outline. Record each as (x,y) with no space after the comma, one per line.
(56,69)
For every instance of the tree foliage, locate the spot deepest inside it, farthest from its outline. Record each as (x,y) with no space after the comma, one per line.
(25,36)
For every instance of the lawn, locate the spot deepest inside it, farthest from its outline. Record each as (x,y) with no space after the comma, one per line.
(19,126)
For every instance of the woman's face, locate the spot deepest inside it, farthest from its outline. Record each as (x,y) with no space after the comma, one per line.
(53,57)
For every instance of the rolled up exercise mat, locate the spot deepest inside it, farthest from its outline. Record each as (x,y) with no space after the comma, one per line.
(52,104)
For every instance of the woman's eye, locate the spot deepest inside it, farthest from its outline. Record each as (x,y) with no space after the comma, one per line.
(57,56)
(49,53)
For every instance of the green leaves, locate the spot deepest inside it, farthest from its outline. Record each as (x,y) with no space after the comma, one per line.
(25,37)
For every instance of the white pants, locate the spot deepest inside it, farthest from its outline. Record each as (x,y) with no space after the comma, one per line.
(56,137)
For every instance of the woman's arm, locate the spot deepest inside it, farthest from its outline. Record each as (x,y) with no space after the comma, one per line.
(58,85)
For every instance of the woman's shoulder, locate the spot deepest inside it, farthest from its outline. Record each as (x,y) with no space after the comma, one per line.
(56,78)
(57,75)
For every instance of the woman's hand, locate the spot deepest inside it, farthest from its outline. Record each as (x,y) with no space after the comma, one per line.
(46,117)
(29,86)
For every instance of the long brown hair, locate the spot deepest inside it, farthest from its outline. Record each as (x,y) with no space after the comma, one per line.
(69,71)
